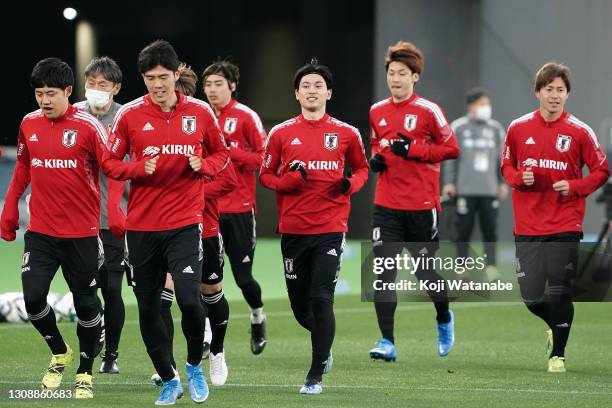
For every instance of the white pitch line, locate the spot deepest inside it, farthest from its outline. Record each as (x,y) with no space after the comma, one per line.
(368,387)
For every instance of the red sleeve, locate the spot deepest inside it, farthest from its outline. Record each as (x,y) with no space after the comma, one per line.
(223,183)
(217,153)
(595,158)
(256,135)
(289,181)
(444,146)
(9,221)
(118,146)
(509,168)
(356,157)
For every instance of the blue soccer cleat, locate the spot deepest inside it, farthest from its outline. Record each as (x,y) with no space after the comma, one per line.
(198,389)
(384,350)
(171,391)
(311,387)
(446,335)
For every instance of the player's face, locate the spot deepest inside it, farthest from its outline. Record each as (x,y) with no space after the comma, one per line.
(53,101)
(218,90)
(400,80)
(312,94)
(553,96)
(99,83)
(161,84)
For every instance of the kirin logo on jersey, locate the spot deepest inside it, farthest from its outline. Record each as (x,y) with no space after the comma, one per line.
(230,124)
(563,143)
(410,122)
(69,137)
(189,124)
(330,141)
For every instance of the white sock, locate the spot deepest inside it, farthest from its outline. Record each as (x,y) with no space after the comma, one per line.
(207,332)
(257,315)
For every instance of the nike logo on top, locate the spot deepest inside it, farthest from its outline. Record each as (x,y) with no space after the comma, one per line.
(332,252)
(530,140)
(382,122)
(147,126)
(188,269)
(296,141)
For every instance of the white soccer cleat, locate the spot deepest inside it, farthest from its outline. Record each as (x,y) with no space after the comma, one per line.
(218,369)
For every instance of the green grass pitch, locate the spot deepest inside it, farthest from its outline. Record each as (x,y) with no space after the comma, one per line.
(498,361)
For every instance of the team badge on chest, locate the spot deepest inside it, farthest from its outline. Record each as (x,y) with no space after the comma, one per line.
(69,137)
(189,124)
(410,122)
(563,143)
(229,126)
(330,141)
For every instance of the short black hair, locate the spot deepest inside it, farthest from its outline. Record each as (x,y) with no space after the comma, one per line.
(105,66)
(475,94)
(313,68)
(159,52)
(224,68)
(51,72)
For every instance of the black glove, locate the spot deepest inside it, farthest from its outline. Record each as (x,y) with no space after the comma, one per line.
(401,148)
(377,163)
(298,166)
(345,183)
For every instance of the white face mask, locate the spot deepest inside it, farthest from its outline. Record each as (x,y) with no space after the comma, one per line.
(483,112)
(97,99)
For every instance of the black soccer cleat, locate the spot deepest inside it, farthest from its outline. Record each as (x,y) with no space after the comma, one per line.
(109,363)
(258,337)
(206,352)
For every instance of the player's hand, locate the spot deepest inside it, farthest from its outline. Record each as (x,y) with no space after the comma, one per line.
(195,162)
(116,221)
(528,178)
(345,181)
(377,163)
(401,147)
(449,190)
(562,187)
(9,224)
(299,166)
(151,164)
(503,191)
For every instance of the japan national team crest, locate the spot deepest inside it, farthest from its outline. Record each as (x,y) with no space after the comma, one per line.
(69,137)
(410,122)
(563,143)
(189,124)
(229,126)
(288,265)
(330,141)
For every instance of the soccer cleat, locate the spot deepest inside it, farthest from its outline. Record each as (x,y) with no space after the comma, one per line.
(258,337)
(83,386)
(492,273)
(109,363)
(556,364)
(311,387)
(328,363)
(198,389)
(446,335)
(218,369)
(53,377)
(157,381)
(384,350)
(206,350)
(171,391)
(549,342)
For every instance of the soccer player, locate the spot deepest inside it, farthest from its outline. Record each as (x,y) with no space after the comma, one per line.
(245,135)
(166,134)
(475,177)
(59,148)
(102,83)
(542,161)
(304,163)
(410,137)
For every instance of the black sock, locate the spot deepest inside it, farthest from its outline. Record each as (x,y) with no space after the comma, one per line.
(192,318)
(252,294)
(44,322)
(114,312)
(385,313)
(88,332)
(561,318)
(218,311)
(541,310)
(154,332)
(442,315)
(167,297)
(321,337)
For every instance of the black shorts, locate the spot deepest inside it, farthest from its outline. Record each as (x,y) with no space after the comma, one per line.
(150,255)
(113,257)
(312,264)
(546,261)
(239,236)
(79,258)
(396,226)
(212,266)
